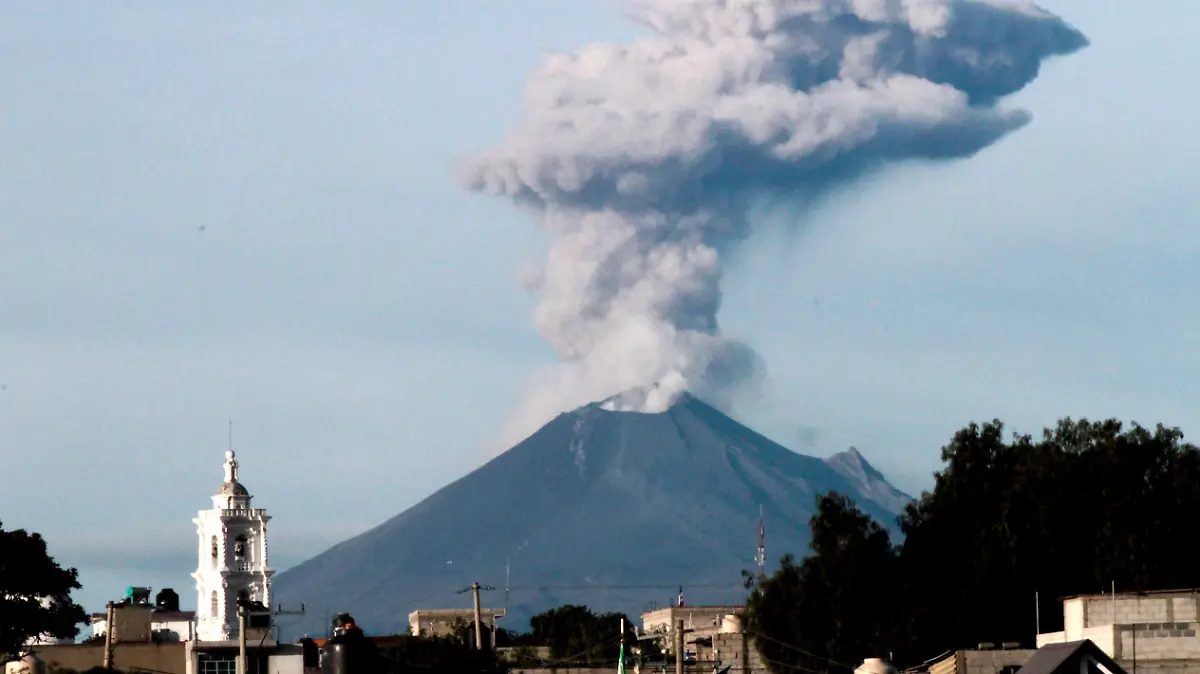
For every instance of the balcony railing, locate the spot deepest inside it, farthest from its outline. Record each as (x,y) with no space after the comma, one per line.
(252,513)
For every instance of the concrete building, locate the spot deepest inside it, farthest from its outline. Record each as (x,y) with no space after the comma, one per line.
(183,657)
(441,622)
(164,626)
(983,661)
(736,650)
(1147,632)
(700,622)
(232,557)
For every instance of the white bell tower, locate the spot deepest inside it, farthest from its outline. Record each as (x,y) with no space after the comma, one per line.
(233,558)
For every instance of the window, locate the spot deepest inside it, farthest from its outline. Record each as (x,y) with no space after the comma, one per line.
(239,547)
(214,552)
(216,605)
(217,664)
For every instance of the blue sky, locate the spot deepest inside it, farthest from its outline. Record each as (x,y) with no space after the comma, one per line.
(214,212)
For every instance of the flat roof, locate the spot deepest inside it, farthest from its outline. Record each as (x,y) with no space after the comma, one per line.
(435,612)
(1135,593)
(155,616)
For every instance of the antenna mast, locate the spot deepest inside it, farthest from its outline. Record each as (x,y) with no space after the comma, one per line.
(762,544)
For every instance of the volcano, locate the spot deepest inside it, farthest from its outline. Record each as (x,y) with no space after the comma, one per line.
(605,507)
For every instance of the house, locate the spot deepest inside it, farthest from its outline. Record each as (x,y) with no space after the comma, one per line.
(442,622)
(987,659)
(699,623)
(1141,631)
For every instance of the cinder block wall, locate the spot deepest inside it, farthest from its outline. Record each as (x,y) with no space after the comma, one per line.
(1167,608)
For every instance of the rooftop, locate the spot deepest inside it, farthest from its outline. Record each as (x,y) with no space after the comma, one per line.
(434,612)
(1138,593)
(156,615)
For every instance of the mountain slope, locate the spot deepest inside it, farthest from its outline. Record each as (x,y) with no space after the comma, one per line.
(607,508)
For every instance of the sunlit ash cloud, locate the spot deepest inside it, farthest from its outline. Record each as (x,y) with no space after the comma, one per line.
(644,159)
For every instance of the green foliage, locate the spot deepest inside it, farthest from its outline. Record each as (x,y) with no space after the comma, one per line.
(27,575)
(1087,505)
(575,635)
(839,598)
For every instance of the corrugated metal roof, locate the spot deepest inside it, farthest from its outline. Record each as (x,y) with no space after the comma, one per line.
(1051,659)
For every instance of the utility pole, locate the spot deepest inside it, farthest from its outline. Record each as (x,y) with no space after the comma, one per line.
(762,545)
(679,647)
(474,589)
(621,664)
(279,612)
(241,669)
(109,628)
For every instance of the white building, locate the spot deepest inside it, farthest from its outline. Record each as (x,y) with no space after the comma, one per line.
(232,558)
(46,639)
(1155,630)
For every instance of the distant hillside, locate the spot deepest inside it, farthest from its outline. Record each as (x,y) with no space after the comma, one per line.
(610,509)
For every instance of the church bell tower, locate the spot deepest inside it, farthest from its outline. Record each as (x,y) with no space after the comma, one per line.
(233,558)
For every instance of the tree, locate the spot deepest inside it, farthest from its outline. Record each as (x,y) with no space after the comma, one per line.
(838,605)
(1088,505)
(576,635)
(35,594)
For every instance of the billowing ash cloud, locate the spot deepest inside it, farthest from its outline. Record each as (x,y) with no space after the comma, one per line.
(643,159)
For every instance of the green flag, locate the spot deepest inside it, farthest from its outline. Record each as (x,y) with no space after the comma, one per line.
(621,659)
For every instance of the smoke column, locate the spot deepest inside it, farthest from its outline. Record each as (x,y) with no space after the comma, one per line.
(642,161)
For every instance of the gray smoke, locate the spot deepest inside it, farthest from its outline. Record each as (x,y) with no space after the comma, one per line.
(643,160)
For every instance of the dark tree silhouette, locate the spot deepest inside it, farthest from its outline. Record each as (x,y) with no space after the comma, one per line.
(840,598)
(1088,505)
(35,594)
(575,634)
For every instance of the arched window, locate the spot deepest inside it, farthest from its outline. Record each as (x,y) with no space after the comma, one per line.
(216,605)
(214,552)
(239,547)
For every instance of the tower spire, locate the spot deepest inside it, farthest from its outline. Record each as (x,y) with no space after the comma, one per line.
(231,464)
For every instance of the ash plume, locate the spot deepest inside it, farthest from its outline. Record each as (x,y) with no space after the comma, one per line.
(643,159)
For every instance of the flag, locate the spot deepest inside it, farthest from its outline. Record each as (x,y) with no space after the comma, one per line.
(621,658)
(680,596)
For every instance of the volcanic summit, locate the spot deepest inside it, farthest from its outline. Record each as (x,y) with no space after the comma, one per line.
(601,506)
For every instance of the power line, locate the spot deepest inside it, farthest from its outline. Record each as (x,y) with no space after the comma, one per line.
(594,586)
(793,647)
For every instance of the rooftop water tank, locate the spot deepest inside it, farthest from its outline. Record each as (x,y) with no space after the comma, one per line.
(166,600)
(876,666)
